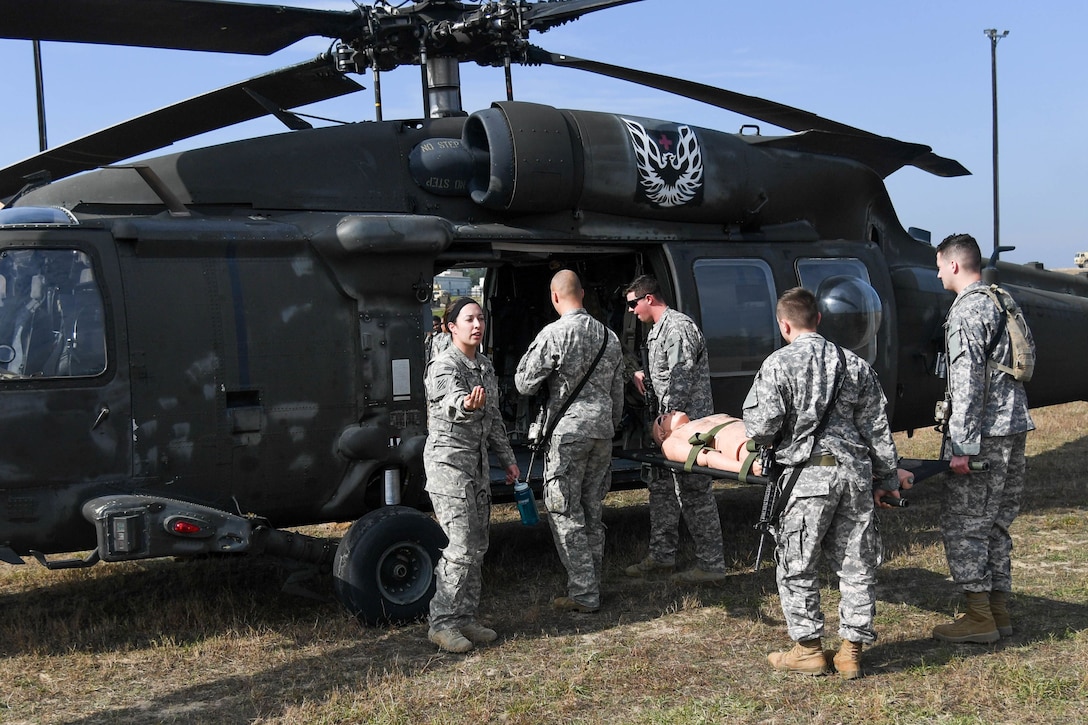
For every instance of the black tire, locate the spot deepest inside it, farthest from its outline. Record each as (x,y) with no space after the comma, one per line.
(384,566)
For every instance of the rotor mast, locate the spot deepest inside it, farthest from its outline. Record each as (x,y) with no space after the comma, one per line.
(442,87)
(439,35)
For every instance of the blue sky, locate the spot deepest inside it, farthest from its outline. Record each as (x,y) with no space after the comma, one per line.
(918,71)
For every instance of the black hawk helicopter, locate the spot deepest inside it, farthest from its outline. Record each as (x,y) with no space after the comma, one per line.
(201,349)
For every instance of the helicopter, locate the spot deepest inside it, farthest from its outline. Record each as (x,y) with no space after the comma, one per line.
(204,350)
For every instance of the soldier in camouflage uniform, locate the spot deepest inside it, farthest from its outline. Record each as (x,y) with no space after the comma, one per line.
(463,421)
(680,377)
(578,462)
(437,340)
(831,507)
(989,421)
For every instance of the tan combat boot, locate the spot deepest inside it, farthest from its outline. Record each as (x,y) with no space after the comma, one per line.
(478,634)
(648,567)
(999,607)
(566,604)
(975,625)
(806,658)
(696,575)
(847,660)
(450,640)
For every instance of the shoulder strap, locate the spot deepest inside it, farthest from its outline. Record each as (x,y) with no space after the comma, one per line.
(784,496)
(840,376)
(1002,322)
(574,393)
(997,295)
(1002,325)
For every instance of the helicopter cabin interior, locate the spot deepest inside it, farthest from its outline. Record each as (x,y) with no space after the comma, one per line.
(732,298)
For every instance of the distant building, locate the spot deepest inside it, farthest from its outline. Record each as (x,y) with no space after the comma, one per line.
(454,282)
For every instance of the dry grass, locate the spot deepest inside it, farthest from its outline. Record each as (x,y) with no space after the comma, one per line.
(217,641)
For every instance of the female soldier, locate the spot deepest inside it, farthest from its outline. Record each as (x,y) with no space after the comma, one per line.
(464,419)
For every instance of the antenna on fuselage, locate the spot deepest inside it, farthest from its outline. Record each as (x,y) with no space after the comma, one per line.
(989,272)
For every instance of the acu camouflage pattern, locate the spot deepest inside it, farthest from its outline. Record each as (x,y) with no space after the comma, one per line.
(577,477)
(560,355)
(790,393)
(976,513)
(985,401)
(455,460)
(680,375)
(679,365)
(830,510)
(989,422)
(578,461)
(436,342)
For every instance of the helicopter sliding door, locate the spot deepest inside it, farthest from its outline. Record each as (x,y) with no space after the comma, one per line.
(64,394)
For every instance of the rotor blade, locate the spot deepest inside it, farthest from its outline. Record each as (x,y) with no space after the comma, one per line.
(289,87)
(793,119)
(883,155)
(226,27)
(544,16)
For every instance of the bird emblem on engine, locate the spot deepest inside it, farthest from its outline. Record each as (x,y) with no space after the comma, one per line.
(670,167)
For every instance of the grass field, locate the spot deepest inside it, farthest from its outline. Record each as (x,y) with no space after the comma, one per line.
(219,642)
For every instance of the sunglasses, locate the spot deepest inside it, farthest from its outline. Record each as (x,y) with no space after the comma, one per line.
(632,304)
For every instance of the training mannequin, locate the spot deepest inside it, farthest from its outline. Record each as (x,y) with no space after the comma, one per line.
(725,450)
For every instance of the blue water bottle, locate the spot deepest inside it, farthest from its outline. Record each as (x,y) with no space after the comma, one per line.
(526,503)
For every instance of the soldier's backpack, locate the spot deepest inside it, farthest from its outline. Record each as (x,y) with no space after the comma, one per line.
(1023,349)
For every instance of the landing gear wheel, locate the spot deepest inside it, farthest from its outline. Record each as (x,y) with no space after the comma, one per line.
(384,567)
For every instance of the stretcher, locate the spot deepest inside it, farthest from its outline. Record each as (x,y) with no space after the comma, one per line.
(649,458)
(920,468)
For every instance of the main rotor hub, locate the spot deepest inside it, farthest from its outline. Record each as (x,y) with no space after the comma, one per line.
(387,37)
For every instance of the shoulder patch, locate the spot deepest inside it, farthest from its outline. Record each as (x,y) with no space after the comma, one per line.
(956,343)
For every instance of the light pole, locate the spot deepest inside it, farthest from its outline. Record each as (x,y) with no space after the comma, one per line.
(995,36)
(39,84)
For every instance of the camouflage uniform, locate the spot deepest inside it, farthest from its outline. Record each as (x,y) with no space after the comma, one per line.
(831,507)
(989,422)
(680,376)
(436,342)
(577,466)
(456,463)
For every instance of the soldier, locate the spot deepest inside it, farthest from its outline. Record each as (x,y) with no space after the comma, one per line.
(464,419)
(577,466)
(829,409)
(438,339)
(679,373)
(989,421)
(428,340)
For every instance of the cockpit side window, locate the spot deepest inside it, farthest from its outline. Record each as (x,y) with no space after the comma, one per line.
(52,321)
(736,306)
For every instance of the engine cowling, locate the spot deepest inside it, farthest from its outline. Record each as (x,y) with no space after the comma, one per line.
(528,158)
(524,158)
